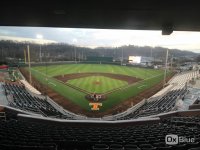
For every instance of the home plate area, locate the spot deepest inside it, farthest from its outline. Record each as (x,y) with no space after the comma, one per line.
(95,97)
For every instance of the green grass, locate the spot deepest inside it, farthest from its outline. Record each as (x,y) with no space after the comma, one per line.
(55,70)
(118,96)
(150,77)
(75,96)
(105,84)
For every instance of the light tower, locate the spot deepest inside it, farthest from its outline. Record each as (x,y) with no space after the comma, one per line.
(165,74)
(74,43)
(40,37)
(122,56)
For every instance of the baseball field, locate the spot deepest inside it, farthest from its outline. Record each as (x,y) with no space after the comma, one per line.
(116,83)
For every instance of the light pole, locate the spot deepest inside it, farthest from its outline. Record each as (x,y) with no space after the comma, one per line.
(172,62)
(122,55)
(166,61)
(74,41)
(75,53)
(40,37)
(40,54)
(151,52)
(82,55)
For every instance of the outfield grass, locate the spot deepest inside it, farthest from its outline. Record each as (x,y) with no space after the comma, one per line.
(150,77)
(55,70)
(97,84)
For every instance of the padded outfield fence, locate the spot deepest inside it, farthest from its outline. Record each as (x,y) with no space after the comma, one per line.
(34,64)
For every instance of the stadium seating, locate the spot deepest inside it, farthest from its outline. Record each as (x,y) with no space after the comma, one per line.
(31,134)
(20,98)
(163,101)
(164,104)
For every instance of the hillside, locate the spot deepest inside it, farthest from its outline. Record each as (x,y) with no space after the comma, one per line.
(62,51)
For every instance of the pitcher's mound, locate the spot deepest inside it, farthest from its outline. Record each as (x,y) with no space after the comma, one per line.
(97,82)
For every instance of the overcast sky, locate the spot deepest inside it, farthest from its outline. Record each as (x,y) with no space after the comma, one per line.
(103,37)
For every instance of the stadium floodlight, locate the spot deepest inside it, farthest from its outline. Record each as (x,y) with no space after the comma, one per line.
(39,36)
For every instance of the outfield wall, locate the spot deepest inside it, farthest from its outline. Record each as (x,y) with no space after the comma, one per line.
(34,64)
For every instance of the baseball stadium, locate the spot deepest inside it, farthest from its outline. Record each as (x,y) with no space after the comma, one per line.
(91,88)
(100,95)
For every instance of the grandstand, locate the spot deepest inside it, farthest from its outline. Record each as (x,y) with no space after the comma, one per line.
(30,120)
(163,101)
(52,83)
(20,98)
(162,105)
(48,88)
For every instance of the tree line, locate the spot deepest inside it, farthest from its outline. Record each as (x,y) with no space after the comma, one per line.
(67,52)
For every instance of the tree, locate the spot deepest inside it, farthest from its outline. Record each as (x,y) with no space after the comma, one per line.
(198,58)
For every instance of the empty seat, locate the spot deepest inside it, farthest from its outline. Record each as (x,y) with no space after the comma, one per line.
(22,147)
(131,147)
(116,147)
(196,148)
(179,147)
(100,147)
(162,145)
(146,147)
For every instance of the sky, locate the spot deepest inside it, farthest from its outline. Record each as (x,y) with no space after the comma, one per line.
(103,37)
